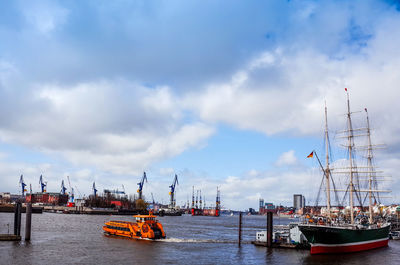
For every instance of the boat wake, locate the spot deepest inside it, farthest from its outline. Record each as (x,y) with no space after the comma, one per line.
(190,240)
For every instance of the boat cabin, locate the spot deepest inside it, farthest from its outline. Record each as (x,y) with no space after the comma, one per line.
(148,218)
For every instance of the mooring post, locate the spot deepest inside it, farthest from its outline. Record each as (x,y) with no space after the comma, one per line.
(240,228)
(28,222)
(18,219)
(270,228)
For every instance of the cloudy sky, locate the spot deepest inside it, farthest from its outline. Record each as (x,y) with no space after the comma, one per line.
(222,93)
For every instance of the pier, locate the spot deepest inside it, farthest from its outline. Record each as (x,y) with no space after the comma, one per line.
(17,224)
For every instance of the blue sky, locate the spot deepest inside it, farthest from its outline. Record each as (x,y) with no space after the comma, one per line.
(224,93)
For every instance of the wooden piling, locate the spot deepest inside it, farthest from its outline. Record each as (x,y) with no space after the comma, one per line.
(28,222)
(270,228)
(240,229)
(17,219)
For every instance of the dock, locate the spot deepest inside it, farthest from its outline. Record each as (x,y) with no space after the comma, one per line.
(281,245)
(9,237)
(9,208)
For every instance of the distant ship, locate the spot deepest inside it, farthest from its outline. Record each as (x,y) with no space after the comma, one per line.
(336,236)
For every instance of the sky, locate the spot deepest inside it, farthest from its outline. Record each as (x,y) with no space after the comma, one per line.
(226,94)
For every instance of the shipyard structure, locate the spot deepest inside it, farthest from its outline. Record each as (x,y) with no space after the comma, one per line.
(199,209)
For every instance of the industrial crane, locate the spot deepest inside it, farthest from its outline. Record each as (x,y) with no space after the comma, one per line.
(42,184)
(141,185)
(63,188)
(21,181)
(172,192)
(94,189)
(71,202)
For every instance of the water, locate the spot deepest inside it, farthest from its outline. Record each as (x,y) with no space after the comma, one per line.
(78,239)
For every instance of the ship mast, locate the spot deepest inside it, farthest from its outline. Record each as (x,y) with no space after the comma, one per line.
(369,157)
(350,150)
(327,170)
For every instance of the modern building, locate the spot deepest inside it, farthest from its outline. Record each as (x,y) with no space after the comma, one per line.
(261,206)
(299,201)
(266,207)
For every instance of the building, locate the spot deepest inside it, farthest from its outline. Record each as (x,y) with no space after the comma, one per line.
(6,197)
(269,206)
(50,198)
(261,207)
(266,207)
(299,201)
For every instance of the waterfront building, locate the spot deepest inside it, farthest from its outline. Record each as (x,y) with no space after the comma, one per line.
(298,201)
(47,198)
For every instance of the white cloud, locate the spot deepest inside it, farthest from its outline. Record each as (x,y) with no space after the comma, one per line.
(45,16)
(116,126)
(287,159)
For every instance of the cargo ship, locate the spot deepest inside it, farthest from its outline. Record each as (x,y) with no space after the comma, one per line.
(145,227)
(332,235)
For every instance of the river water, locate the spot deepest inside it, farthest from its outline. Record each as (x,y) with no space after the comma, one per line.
(78,239)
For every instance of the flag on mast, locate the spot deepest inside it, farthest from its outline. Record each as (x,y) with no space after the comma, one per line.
(311,155)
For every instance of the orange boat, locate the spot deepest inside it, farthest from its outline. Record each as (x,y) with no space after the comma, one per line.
(145,227)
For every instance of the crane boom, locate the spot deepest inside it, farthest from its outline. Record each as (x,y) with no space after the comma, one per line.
(63,188)
(42,184)
(140,184)
(94,189)
(172,192)
(71,202)
(21,181)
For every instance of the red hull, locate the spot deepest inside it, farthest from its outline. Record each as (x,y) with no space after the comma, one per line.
(348,248)
(204,212)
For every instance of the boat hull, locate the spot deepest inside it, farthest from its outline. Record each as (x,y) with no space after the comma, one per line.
(328,239)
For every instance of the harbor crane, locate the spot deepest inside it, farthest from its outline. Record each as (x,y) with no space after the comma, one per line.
(71,202)
(144,178)
(94,189)
(21,181)
(42,184)
(63,188)
(172,192)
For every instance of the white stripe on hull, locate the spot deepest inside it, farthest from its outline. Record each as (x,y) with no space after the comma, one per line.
(349,244)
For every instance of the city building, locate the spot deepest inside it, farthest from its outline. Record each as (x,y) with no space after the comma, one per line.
(266,207)
(299,201)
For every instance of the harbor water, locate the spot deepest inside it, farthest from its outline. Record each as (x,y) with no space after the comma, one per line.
(78,239)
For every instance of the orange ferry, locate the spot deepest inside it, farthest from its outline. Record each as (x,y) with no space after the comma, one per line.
(145,227)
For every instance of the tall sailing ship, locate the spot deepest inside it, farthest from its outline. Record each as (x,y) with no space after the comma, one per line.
(339,235)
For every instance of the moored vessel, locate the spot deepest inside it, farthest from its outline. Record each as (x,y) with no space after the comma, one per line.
(145,227)
(340,235)
(342,239)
